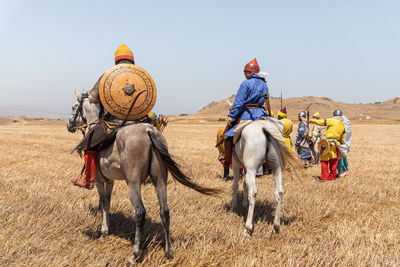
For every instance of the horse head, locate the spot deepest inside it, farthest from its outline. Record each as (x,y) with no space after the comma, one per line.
(78,114)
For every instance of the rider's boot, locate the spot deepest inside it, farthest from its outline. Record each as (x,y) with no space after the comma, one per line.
(228,156)
(90,171)
(226,172)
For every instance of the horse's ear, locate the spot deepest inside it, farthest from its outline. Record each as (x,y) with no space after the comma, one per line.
(78,95)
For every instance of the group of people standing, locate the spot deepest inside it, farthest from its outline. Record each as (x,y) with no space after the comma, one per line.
(336,146)
(337,131)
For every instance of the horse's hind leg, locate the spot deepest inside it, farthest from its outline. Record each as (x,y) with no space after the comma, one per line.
(140,215)
(159,178)
(252,193)
(236,178)
(274,158)
(105,189)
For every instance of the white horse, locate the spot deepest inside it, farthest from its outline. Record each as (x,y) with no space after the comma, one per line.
(138,151)
(260,141)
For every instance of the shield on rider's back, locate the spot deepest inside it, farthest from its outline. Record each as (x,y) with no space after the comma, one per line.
(125,85)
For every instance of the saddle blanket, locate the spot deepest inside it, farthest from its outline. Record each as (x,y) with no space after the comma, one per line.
(242,124)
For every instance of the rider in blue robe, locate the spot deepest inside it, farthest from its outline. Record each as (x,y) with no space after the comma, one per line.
(251,91)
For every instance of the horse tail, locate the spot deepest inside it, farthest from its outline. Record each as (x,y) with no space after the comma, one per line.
(160,146)
(272,133)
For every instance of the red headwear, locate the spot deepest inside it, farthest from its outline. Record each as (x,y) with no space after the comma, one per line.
(282,112)
(252,66)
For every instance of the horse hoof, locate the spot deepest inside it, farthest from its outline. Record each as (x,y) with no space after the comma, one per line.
(234,206)
(104,234)
(247,232)
(276,229)
(133,260)
(169,255)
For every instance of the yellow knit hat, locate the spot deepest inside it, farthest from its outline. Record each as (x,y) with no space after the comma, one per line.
(123,52)
(316,115)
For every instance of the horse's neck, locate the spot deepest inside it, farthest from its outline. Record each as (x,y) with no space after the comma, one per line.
(92,113)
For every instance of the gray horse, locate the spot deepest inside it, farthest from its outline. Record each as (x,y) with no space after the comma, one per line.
(138,151)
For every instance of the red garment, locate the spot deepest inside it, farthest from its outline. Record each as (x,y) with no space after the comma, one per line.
(90,163)
(331,171)
(90,171)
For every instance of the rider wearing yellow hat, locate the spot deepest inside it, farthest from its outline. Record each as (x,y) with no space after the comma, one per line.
(122,55)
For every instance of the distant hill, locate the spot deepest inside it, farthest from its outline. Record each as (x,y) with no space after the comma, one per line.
(30,112)
(378,111)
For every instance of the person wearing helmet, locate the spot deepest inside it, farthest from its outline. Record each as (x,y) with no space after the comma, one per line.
(343,166)
(248,105)
(302,147)
(316,136)
(122,55)
(287,127)
(335,135)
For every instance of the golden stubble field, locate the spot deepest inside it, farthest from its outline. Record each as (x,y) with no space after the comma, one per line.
(45,221)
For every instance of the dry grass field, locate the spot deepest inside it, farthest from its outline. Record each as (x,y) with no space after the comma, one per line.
(45,221)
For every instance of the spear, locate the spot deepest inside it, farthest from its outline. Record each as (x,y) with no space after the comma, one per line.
(281,99)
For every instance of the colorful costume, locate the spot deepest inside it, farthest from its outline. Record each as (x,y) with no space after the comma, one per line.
(303,149)
(316,136)
(287,127)
(248,104)
(122,55)
(342,166)
(335,135)
(250,92)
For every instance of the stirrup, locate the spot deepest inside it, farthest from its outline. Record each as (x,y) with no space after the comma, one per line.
(81,182)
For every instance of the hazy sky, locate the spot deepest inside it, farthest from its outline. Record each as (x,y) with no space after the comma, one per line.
(196,50)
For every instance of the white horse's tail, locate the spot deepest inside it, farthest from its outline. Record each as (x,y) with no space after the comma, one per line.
(271,131)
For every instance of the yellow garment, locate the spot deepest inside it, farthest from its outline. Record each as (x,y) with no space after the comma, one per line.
(272,113)
(335,130)
(221,147)
(123,52)
(287,130)
(281,114)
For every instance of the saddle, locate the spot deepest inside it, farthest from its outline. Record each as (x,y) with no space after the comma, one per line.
(99,137)
(93,138)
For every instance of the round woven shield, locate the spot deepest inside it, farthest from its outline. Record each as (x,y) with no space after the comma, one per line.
(323,147)
(124,86)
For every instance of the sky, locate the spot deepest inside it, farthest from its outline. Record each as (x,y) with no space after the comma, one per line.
(196,50)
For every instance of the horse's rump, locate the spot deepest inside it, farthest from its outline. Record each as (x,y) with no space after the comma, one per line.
(271,129)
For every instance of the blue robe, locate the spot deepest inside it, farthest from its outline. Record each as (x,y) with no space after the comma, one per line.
(250,92)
